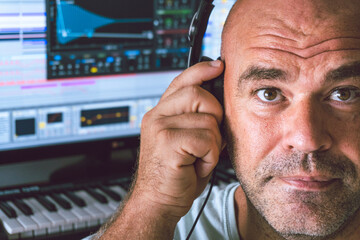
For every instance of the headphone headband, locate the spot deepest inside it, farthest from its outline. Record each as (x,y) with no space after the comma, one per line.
(197,30)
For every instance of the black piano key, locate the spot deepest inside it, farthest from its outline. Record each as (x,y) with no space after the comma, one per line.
(8,210)
(98,196)
(125,185)
(61,201)
(77,200)
(46,203)
(24,208)
(112,194)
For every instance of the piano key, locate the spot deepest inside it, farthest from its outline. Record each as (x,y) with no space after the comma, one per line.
(43,222)
(112,194)
(125,185)
(119,190)
(57,221)
(28,223)
(90,219)
(69,216)
(96,195)
(48,205)
(108,211)
(113,204)
(60,201)
(91,208)
(75,199)
(11,225)
(23,207)
(13,236)
(10,212)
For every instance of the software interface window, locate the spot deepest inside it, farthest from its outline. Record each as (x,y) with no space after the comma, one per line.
(77,70)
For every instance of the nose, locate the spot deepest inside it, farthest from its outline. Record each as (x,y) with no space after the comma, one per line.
(305,127)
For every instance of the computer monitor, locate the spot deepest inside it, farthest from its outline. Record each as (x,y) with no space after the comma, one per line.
(75,74)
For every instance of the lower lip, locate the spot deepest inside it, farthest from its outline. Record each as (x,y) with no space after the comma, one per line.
(309,185)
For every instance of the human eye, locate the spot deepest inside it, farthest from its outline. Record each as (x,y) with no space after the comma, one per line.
(345,94)
(269,95)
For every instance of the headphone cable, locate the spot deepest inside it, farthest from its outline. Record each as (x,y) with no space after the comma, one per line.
(203,206)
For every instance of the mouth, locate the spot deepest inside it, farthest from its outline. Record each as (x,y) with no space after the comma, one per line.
(309,183)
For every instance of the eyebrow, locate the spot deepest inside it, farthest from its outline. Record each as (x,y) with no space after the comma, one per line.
(349,70)
(260,73)
(254,72)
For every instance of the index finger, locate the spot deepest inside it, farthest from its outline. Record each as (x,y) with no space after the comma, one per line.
(195,75)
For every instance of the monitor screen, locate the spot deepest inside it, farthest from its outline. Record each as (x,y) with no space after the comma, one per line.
(73,71)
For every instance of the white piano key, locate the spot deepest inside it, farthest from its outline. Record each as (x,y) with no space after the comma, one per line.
(105,208)
(13,236)
(11,225)
(43,222)
(28,224)
(119,190)
(57,222)
(24,220)
(40,217)
(113,205)
(70,217)
(91,208)
(90,219)
(101,206)
(84,215)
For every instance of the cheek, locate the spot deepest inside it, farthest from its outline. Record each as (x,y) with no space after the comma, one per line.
(346,136)
(254,137)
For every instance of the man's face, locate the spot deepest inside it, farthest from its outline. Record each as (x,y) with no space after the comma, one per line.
(292,104)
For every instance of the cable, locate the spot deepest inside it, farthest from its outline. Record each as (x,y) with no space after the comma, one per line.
(203,206)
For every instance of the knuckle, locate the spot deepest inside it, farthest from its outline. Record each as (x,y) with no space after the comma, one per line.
(209,119)
(147,118)
(163,136)
(211,136)
(206,135)
(158,124)
(193,91)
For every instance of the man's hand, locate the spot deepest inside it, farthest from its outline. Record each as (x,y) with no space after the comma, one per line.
(180,146)
(180,142)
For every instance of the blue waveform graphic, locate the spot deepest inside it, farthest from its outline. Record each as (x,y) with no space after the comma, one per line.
(74,22)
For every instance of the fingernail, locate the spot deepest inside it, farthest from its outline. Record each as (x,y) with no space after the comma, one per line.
(215,63)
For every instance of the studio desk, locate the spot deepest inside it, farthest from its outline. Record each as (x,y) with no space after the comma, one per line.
(67,211)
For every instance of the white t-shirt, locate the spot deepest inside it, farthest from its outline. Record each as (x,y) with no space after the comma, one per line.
(218,219)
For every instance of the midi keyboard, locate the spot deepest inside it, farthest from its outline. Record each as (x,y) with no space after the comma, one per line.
(67,211)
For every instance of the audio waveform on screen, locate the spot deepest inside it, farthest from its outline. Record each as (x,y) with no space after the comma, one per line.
(74,22)
(104,116)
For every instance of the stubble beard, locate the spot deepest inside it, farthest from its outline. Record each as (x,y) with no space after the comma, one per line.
(297,214)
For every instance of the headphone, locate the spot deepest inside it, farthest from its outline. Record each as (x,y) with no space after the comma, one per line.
(215,86)
(196,34)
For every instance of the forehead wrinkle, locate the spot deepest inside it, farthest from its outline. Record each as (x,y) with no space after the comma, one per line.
(300,56)
(328,45)
(288,45)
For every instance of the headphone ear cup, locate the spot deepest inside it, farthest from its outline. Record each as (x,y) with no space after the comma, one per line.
(216,88)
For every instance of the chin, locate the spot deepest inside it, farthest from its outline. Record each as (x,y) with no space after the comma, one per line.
(303,219)
(313,214)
